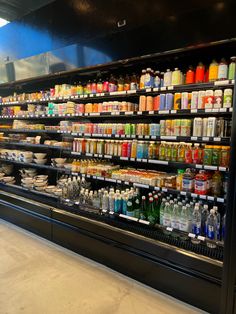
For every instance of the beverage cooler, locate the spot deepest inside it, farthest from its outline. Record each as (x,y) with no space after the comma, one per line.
(132,164)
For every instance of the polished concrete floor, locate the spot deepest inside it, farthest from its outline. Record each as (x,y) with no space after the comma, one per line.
(38,277)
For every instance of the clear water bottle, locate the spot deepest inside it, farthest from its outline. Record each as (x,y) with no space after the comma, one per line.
(196,221)
(223,227)
(105,201)
(167,215)
(183,221)
(175,217)
(189,209)
(162,208)
(205,214)
(218,222)
(211,228)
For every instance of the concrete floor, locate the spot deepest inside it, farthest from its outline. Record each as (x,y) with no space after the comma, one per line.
(39,277)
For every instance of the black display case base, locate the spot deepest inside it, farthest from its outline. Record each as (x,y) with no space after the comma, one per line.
(187,276)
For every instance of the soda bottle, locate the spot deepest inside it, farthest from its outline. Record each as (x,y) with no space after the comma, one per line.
(156,207)
(143,210)
(211,225)
(151,214)
(204,214)
(130,208)
(175,217)
(183,220)
(167,215)
(162,209)
(196,221)
(136,205)
(218,222)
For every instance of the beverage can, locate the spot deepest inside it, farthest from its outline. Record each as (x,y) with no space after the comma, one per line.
(162,101)
(142,103)
(169,101)
(177,101)
(149,103)
(177,127)
(184,101)
(194,100)
(218,96)
(209,99)
(168,127)
(228,94)
(197,127)
(156,103)
(201,98)
(162,127)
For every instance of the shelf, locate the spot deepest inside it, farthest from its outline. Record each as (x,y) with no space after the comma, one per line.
(115,114)
(34,146)
(130,93)
(151,161)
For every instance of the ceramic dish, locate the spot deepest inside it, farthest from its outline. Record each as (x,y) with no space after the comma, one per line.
(40,161)
(40,155)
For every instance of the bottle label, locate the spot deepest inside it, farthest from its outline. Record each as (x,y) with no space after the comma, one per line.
(196,229)
(130,213)
(210,232)
(183,226)
(166,222)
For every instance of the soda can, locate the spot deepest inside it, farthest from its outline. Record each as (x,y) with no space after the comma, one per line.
(177,101)
(169,101)
(197,127)
(194,100)
(132,128)
(162,101)
(127,129)
(172,127)
(168,127)
(184,100)
(228,94)
(142,103)
(177,127)
(201,98)
(218,96)
(204,126)
(156,103)
(209,99)
(162,128)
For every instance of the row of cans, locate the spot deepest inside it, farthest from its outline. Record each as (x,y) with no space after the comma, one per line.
(212,126)
(176,127)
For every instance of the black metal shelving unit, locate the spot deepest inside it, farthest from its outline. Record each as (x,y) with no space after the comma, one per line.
(164,258)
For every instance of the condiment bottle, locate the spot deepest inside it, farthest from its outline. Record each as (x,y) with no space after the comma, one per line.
(213,71)
(99,86)
(232,66)
(167,77)
(223,70)
(120,82)
(200,73)
(133,82)
(148,83)
(127,82)
(142,79)
(176,77)
(190,76)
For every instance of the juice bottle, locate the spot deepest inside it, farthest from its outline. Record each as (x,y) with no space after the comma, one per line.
(148,83)
(190,76)
(162,151)
(200,186)
(127,82)
(181,152)
(167,77)
(168,151)
(200,73)
(188,153)
(105,86)
(213,71)
(223,70)
(207,155)
(224,156)
(174,152)
(94,87)
(216,155)
(99,86)
(120,84)
(197,154)
(179,179)
(80,89)
(232,66)
(89,87)
(176,77)
(142,79)
(216,184)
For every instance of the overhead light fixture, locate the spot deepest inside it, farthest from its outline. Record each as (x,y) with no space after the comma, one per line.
(3,22)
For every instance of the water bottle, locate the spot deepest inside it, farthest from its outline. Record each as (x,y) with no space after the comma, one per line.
(183,221)
(223,227)
(196,221)
(189,209)
(111,201)
(175,217)
(167,215)
(205,214)
(162,208)
(218,222)
(105,201)
(212,225)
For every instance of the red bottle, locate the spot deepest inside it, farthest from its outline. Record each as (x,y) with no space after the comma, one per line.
(190,76)
(200,73)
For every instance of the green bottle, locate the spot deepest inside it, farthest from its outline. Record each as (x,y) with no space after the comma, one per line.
(130,208)
(151,213)
(156,207)
(232,66)
(143,210)
(136,205)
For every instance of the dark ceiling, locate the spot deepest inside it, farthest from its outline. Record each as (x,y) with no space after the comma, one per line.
(11,10)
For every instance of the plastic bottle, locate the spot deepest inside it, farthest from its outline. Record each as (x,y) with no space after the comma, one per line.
(148,83)
(216,183)
(189,208)
(200,186)
(204,214)
(190,76)
(197,154)
(105,201)
(200,73)
(143,210)
(127,82)
(218,222)
(167,215)
(130,207)
(232,66)
(157,79)
(133,82)
(213,71)
(211,225)
(111,201)
(142,79)
(176,77)
(120,82)
(175,217)
(118,203)
(183,220)
(162,209)
(223,70)
(179,179)
(167,77)
(196,221)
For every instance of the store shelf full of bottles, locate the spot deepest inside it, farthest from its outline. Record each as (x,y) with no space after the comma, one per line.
(144,147)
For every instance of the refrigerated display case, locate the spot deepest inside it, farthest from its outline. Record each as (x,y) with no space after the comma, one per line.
(49,144)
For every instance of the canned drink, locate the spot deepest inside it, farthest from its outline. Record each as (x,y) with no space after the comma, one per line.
(218,96)
(162,101)
(197,127)
(172,127)
(209,99)
(194,100)
(132,128)
(142,103)
(177,127)
(149,103)
(127,129)
(156,103)
(228,95)
(184,101)
(169,101)
(201,98)
(177,101)
(220,127)
(168,127)
(162,128)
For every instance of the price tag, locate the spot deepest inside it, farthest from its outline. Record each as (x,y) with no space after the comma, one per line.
(205,138)
(128,217)
(145,222)
(139,159)
(169,229)
(118,181)
(110,180)
(159,162)
(193,110)
(210,167)
(164,190)
(122,135)
(139,185)
(210,198)
(194,195)
(191,235)
(131,91)
(156,89)
(86,114)
(91,95)
(139,113)
(215,110)
(89,154)
(220,200)
(193,138)
(144,160)
(117,135)
(223,109)
(132,159)
(148,90)
(94,114)
(170,87)
(94,177)
(121,93)
(198,166)
(124,158)
(156,188)
(108,156)
(203,197)
(168,137)
(100,156)
(217,139)
(126,182)
(173,111)
(151,112)
(163,88)
(224,82)
(230,109)
(85,96)
(104,211)
(183,193)
(201,238)
(100,178)
(95,155)
(208,110)
(222,169)
(129,112)
(163,111)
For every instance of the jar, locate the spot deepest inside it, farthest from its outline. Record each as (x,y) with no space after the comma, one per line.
(200,186)
(224,156)
(188,181)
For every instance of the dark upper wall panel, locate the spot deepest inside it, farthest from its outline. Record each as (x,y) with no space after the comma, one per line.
(152,26)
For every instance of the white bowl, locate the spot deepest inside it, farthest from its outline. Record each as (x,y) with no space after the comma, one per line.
(40,183)
(8,179)
(27,180)
(39,188)
(41,177)
(40,161)
(60,160)
(50,188)
(40,155)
